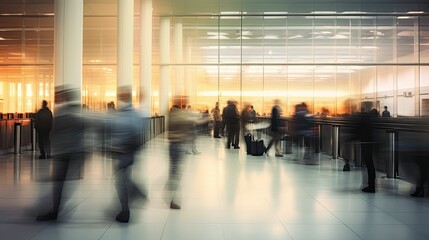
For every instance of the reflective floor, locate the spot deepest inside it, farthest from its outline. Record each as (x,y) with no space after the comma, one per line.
(224,193)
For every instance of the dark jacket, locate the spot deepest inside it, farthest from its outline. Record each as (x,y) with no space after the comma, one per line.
(245,117)
(386,113)
(232,115)
(276,122)
(68,130)
(362,126)
(126,130)
(44,120)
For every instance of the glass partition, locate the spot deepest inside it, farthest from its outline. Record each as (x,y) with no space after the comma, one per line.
(337,56)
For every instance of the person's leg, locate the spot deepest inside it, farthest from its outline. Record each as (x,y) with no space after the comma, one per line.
(367,155)
(276,137)
(48,144)
(174,174)
(216,129)
(237,136)
(267,149)
(421,178)
(124,184)
(41,139)
(230,136)
(222,128)
(60,166)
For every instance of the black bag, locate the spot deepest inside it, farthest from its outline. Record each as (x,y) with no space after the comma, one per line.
(248,140)
(257,147)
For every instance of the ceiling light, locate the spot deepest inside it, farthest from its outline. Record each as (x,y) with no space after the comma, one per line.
(275,17)
(216,33)
(323,12)
(403,17)
(270,37)
(276,13)
(218,37)
(344,33)
(322,32)
(296,36)
(2,38)
(339,36)
(232,13)
(353,12)
(230,17)
(415,12)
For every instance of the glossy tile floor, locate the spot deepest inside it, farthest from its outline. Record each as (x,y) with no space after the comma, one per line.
(225,194)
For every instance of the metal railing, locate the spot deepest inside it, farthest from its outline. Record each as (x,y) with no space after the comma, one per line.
(397,139)
(19,134)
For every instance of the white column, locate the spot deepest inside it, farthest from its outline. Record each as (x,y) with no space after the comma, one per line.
(417,111)
(188,72)
(164,51)
(179,83)
(125,42)
(68,43)
(146,55)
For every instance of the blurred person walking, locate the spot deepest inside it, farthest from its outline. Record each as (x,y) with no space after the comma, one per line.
(252,113)
(126,131)
(179,125)
(196,122)
(246,118)
(217,120)
(233,125)
(43,126)
(277,128)
(223,127)
(67,145)
(304,131)
(364,133)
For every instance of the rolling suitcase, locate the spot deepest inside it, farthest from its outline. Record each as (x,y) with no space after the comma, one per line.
(257,147)
(248,140)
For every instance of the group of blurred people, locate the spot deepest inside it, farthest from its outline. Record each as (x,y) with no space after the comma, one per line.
(230,122)
(125,127)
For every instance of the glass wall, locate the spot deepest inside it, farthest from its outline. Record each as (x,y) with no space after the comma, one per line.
(360,51)
(26,61)
(328,61)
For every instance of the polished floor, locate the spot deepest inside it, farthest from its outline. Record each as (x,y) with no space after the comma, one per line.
(224,193)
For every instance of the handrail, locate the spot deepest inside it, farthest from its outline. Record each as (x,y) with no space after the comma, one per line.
(417,124)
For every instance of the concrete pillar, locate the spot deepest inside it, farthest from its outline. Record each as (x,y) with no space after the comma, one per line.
(164,45)
(146,55)
(125,43)
(68,43)
(179,83)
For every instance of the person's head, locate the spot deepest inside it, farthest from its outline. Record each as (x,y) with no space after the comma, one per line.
(125,94)
(276,102)
(251,106)
(385,107)
(179,101)
(44,103)
(217,104)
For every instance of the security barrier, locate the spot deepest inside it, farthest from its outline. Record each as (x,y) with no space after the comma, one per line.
(19,134)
